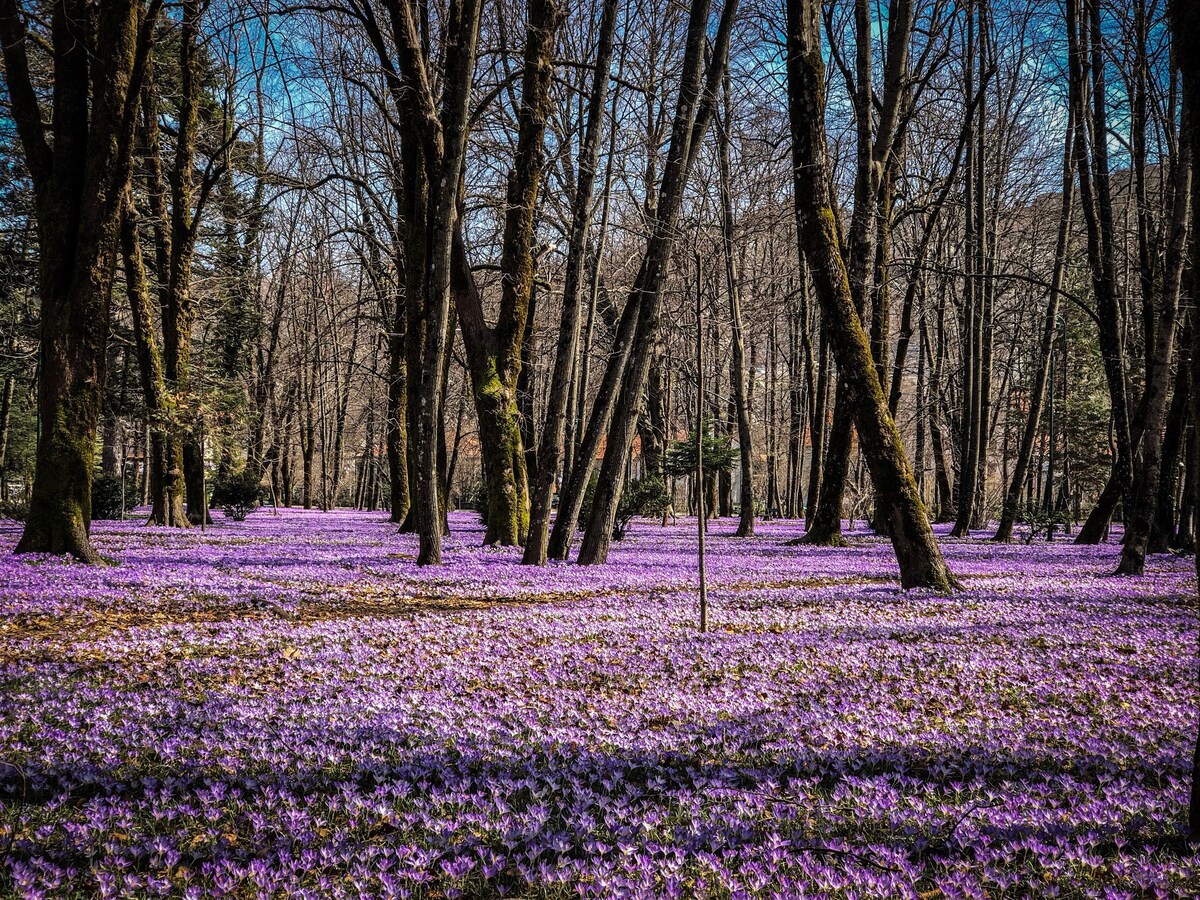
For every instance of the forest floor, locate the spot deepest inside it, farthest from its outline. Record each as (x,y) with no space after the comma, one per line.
(290,707)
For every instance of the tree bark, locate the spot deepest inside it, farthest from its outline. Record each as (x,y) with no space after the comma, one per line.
(571,500)
(80,172)
(695,106)
(1091,158)
(165,478)
(433,150)
(494,353)
(1037,397)
(1158,376)
(920,560)
(737,358)
(1163,536)
(1185,31)
(971,423)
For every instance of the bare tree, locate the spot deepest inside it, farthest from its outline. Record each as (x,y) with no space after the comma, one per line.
(921,562)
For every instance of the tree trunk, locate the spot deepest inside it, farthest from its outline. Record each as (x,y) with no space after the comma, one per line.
(825,525)
(920,560)
(527,389)
(80,171)
(433,147)
(695,106)
(652,424)
(737,358)
(1185,32)
(396,427)
(1037,397)
(164,464)
(1145,496)
(494,353)
(816,436)
(6,405)
(1163,535)
(970,424)
(1091,157)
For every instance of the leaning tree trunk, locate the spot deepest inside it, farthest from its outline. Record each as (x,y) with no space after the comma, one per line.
(1091,158)
(920,559)
(695,106)
(571,500)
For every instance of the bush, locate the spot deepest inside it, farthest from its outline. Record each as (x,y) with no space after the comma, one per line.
(719,455)
(1040,521)
(641,497)
(106,498)
(237,495)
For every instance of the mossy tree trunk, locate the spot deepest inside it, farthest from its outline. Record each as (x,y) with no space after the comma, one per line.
(164,467)
(79,164)
(550,449)
(176,204)
(494,353)
(878,140)
(177,300)
(435,107)
(920,559)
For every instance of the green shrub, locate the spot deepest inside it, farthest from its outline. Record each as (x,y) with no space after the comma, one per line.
(237,495)
(719,455)
(641,497)
(106,498)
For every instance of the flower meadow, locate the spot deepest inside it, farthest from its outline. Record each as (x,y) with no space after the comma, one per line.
(289,707)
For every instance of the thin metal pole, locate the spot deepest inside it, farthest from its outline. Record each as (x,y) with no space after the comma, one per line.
(124,462)
(1048,496)
(203,483)
(701,509)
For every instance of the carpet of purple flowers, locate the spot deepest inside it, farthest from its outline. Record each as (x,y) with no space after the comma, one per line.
(289,707)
